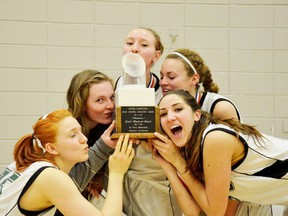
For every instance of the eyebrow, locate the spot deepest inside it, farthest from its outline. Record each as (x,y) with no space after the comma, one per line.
(173,105)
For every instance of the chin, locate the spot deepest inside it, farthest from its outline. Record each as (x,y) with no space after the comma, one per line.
(106,122)
(179,143)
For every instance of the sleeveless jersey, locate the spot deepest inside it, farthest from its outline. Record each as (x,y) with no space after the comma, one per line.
(14,184)
(262,175)
(209,100)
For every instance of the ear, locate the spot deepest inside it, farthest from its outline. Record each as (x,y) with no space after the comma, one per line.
(157,56)
(197,115)
(195,80)
(51,149)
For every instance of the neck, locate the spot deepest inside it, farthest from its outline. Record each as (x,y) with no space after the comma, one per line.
(148,77)
(63,166)
(196,94)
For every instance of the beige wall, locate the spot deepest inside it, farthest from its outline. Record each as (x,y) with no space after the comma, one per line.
(43,43)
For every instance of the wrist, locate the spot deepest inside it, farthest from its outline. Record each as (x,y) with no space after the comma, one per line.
(116,175)
(181,166)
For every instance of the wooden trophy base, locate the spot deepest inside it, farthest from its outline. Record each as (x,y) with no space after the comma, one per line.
(134,135)
(140,122)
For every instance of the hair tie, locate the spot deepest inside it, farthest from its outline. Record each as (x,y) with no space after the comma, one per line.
(44,116)
(37,142)
(186,60)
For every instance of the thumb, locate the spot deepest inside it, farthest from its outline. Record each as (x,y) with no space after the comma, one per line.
(110,128)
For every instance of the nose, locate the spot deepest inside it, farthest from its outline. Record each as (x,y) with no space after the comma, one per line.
(163,81)
(83,139)
(170,117)
(135,48)
(110,104)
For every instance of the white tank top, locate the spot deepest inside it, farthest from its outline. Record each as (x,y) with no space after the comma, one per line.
(13,184)
(209,100)
(262,175)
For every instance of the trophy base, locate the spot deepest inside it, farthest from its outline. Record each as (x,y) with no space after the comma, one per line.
(134,135)
(140,122)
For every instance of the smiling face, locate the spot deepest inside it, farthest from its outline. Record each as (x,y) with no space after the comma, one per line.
(142,42)
(177,118)
(71,144)
(100,103)
(174,76)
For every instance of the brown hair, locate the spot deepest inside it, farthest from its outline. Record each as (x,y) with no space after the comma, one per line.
(78,92)
(192,152)
(200,66)
(45,130)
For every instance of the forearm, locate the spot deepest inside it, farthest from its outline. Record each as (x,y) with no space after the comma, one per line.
(83,172)
(197,189)
(204,197)
(114,196)
(184,198)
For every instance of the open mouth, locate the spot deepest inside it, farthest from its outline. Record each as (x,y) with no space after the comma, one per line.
(176,130)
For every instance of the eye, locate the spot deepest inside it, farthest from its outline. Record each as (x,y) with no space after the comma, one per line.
(162,114)
(178,109)
(100,100)
(145,45)
(112,98)
(129,43)
(172,77)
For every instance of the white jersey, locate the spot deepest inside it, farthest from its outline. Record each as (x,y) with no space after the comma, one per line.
(14,184)
(262,175)
(209,100)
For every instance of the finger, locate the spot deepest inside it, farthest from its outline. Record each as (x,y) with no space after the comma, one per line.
(129,148)
(159,145)
(149,141)
(119,143)
(131,155)
(110,128)
(157,142)
(125,143)
(160,136)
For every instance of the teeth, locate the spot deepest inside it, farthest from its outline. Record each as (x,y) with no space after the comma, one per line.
(174,126)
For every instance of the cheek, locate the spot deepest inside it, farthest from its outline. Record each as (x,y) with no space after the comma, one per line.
(163,125)
(148,56)
(93,111)
(126,49)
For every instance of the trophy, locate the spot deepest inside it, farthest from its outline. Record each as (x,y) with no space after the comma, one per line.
(136,113)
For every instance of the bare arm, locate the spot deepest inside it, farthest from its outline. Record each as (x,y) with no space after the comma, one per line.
(225,110)
(218,150)
(184,198)
(54,187)
(119,163)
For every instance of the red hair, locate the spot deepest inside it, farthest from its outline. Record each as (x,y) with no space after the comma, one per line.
(45,129)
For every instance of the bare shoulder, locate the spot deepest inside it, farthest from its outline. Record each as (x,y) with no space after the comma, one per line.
(225,110)
(220,141)
(53,177)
